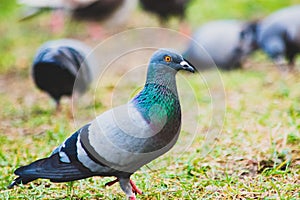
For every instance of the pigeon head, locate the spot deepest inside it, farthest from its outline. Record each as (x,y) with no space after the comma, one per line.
(166,60)
(163,66)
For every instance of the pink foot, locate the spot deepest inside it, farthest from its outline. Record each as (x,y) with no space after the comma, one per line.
(135,189)
(132,198)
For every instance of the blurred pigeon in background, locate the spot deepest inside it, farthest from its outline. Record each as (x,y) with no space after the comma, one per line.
(278,35)
(223,43)
(110,13)
(167,8)
(58,64)
(123,139)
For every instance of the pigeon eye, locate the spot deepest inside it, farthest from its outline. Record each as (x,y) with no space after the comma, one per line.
(168,58)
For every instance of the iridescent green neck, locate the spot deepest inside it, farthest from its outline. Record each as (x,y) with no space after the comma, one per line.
(157,104)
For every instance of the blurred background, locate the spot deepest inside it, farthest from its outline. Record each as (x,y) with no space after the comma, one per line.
(20,39)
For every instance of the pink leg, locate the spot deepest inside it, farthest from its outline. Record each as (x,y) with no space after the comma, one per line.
(57,22)
(184,28)
(95,31)
(135,189)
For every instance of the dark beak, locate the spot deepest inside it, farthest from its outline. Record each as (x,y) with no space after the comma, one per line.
(187,66)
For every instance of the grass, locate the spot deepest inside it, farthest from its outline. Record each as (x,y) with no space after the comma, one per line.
(256,154)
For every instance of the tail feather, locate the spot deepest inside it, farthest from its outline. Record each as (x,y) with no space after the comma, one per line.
(20,180)
(50,168)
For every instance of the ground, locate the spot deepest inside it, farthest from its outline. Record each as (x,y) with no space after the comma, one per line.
(240,137)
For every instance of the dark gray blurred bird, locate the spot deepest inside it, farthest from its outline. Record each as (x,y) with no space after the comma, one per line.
(278,35)
(166,8)
(223,43)
(123,139)
(97,10)
(58,64)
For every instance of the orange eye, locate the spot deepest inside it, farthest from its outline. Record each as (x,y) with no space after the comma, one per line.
(168,58)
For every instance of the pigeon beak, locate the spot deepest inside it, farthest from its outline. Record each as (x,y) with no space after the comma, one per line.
(187,66)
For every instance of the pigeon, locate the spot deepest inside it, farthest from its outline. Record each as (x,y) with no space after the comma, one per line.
(108,12)
(82,10)
(278,35)
(58,64)
(97,10)
(221,43)
(121,140)
(166,8)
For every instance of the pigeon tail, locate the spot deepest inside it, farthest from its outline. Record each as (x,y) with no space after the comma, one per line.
(20,180)
(50,168)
